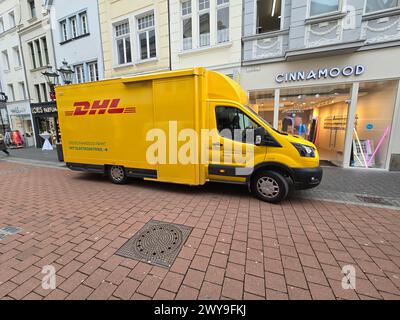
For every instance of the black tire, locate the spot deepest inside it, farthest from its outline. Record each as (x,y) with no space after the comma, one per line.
(278,186)
(117,174)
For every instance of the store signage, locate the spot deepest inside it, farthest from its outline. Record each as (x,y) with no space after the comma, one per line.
(41,110)
(3,97)
(323,73)
(17,110)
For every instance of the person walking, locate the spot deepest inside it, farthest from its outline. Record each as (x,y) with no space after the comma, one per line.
(3,146)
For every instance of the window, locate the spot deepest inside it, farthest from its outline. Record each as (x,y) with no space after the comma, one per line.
(38,94)
(222,21)
(204,22)
(187,24)
(17,57)
(6,60)
(318,7)
(11,18)
(64,31)
(93,71)
(269,15)
(84,23)
(45,50)
(80,74)
(44,90)
(38,52)
(1,25)
(233,124)
(147,37)
(11,92)
(32,52)
(377,5)
(74,27)
(123,42)
(32,8)
(22,90)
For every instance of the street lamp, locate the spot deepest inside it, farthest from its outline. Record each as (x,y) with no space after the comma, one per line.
(66,72)
(52,80)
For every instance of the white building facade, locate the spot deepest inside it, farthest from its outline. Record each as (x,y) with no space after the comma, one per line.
(14,84)
(206,33)
(77,38)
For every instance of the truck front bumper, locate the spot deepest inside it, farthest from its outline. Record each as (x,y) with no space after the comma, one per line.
(306,178)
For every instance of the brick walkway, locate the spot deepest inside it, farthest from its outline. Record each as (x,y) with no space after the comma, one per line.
(240,248)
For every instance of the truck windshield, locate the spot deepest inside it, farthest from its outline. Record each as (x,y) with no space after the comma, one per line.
(262,119)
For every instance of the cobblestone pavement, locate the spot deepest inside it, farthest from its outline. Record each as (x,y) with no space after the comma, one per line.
(240,248)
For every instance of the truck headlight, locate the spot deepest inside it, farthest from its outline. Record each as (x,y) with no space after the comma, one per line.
(305,151)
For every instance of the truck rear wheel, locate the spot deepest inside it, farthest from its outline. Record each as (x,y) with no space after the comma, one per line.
(270,186)
(117,174)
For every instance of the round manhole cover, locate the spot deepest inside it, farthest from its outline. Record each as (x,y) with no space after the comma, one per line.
(158,241)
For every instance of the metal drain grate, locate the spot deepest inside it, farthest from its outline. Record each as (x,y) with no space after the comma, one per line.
(374,200)
(158,243)
(10,230)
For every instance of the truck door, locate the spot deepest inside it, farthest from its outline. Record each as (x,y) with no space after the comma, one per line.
(233,152)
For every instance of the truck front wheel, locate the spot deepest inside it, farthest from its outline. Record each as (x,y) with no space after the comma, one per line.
(117,174)
(269,186)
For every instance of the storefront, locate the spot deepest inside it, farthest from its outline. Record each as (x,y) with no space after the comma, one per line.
(4,121)
(21,134)
(45,119)
(348,105)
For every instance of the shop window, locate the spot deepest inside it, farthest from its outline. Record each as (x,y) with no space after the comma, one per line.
(269,15)
(318,7)
(373,124)
(187,25)
(378,5)
(262,102)
(147,37)
(317,114)
(123,42)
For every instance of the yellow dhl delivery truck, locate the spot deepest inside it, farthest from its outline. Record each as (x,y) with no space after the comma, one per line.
(187,127)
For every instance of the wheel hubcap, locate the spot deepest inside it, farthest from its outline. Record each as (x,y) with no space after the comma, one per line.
(268,187)
(117,173)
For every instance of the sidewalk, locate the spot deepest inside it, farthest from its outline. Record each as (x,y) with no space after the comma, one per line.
(352,186)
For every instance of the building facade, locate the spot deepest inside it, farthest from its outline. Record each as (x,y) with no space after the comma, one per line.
(38,54)
(19,129)
(206,33)
(77,38)
(135,36)
(328,70)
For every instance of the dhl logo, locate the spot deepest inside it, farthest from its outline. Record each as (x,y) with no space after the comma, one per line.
(99,107)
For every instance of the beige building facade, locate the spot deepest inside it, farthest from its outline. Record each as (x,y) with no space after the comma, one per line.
(135,36)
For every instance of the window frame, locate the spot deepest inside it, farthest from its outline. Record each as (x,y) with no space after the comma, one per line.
(32,9)
(379,11)
(17,53)
(6,60)
(82,73)
(64,30)
(45,92)
(217,8)
(96,70)
(2,29)
(122,37)
(283,3)
(187,16)
(339,10)
(147,31)
(38,92)
(83,24)
(11,92)
(73,22)
(45,48)
(200,12)
(12,14)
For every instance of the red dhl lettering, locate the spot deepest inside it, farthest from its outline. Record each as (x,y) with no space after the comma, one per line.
(99,107)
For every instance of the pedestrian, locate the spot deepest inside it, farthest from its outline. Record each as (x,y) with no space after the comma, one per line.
(3,146)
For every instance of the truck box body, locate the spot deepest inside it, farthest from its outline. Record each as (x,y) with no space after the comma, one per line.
(106,123)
